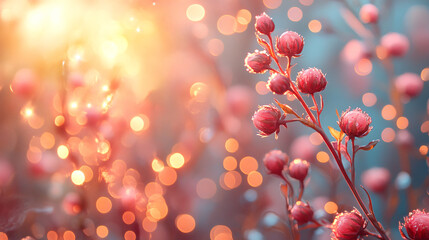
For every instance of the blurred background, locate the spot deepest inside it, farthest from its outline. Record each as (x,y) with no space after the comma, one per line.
(132,119)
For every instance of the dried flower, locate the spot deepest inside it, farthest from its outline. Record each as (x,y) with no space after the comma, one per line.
(417,225)
(298,169)
(311,80)
(275,161)
(376,179)
(409,84)
(290,44)
(302,212)
(355,123)
(348,226)
(268,120)
(395,44)
(257,62)
(278,83)
(264,24)
(369,13)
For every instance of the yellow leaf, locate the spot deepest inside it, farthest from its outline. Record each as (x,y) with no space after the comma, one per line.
(336,134)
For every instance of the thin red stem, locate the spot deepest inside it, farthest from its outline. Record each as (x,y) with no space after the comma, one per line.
(301,190)
(370,217)
(317,109)
(352,167)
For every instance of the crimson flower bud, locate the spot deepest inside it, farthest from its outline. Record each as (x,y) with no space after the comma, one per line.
(24,83)
(278,83)
(289,44)
(275,161)
(395,44)
(348,226)
(376,179)
(302,212)
(404,139)
(268,120)
(355,123)
(369,13)
(298,169)
(409,84)
(73,203)
(311,80)
(257,62)
(264,24)
(417,225)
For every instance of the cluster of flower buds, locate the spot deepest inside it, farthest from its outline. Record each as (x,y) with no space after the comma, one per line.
(416,225)
(355,123)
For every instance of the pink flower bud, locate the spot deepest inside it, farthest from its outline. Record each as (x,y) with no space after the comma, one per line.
(302,147)
(404,139)
(369,13)
(348,226)
(302,213)
(290,44)
(75,80)
(275,161)
(257,62)
(240,99)
(311,80)
(268,120)
(409,84)
(417,225)
(24,83)
(298,169)
(376,179)
(264,24)
(73,203)
(395,44)
(278,83)
(355,123)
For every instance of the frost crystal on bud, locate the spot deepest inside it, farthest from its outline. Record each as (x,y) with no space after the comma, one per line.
(257,62)
(268,120)
(290,44)
(275,161)
(355,123)
(264,24)
(311,80)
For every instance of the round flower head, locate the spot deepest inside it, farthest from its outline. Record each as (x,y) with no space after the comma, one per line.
(290,44)
(302,213)
(348,226)
(416,225)
(268,120)
(376,179)
(311,80)
(298,169)
(257,62)
(409,85)
(395,44)
(369,13)
(264,24)
(355,123)
(275,161)
(278,83)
